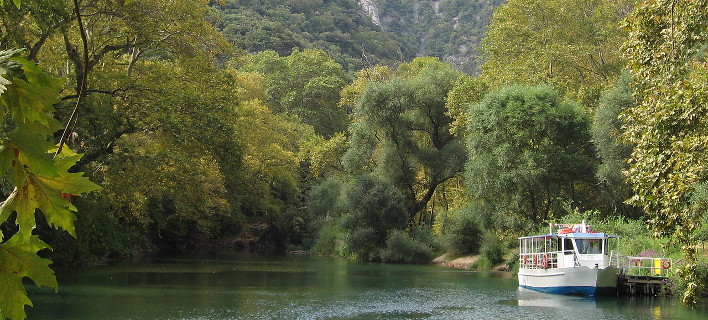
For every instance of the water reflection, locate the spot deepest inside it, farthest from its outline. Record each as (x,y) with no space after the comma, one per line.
(318,288)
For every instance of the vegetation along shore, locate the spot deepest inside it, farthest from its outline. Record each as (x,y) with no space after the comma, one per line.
(386,131)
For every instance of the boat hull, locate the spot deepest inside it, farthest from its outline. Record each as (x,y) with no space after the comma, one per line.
(576,280)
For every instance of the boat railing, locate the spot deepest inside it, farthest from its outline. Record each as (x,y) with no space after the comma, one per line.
(615,259)
(647,266)
(540,260)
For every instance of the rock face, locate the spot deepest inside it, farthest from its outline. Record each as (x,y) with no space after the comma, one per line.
(449,29)
(372,10)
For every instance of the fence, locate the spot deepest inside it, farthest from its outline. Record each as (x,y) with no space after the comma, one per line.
(647,266)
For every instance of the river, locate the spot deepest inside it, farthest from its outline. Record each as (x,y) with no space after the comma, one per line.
(310,287)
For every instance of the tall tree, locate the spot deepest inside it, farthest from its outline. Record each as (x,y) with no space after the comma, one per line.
(528,151)
(572,45)
(401,131)
(612,150)
(305,84)
(666,50)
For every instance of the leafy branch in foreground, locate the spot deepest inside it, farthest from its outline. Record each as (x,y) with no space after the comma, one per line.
(666,49)
(41,180)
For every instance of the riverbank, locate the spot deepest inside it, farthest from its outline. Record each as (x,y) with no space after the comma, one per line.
(464,262)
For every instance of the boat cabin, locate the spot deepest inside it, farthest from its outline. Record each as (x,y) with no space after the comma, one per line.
(571,246)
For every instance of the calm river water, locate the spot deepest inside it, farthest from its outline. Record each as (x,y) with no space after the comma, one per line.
(307,287)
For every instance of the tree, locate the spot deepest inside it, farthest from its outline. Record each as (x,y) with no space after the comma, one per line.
(569,44)
(528,151)
(467,90)
(372,208)
(42,180)
(401,132)
(666,49)
(338,27)
(612,150)
(305,84)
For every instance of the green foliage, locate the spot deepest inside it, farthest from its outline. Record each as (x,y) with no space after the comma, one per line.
(612,150)
(467,90)
(305,84)
(570,44)
(354,219)
(103,237)
(338,27)
(527,151)
(666,50)
(41,179)
(401,131)
(331,238)
(324,199)
(492,248)
(372,207)
(19,259)
(402,248)
(462,234)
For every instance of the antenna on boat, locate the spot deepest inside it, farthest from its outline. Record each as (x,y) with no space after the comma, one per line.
(584,227)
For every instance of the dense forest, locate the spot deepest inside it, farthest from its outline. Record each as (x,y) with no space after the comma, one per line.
(360,34)
(393,131)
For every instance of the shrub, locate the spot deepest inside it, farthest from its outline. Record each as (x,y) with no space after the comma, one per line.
(324,200)
(401,248)
(463,233)
(492,249)
(482,264)
(362,244)
(373,207)
(331,238)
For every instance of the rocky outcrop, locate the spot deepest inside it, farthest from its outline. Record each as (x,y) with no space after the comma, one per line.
(372,10)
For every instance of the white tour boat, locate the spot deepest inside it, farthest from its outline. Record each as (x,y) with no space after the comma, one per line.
(573,260)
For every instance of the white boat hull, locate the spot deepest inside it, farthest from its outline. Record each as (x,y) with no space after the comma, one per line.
(578,280)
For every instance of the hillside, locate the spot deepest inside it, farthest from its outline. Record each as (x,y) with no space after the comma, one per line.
(361,33)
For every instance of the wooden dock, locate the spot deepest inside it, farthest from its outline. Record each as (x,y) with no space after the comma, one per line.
(644,285)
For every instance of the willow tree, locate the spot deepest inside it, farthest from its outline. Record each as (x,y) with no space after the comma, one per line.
(612,150)
(528,151)
(666,50)
(401,131)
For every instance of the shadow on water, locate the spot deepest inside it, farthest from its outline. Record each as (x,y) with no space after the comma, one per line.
(307,287)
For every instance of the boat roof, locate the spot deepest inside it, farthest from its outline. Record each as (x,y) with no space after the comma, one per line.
(576,235)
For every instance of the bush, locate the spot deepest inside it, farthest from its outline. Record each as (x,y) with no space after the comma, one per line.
(324,200)
(401,248)
(463,233)
(331,238)
(492,249)
(482,264)
(362,244)
(373,207)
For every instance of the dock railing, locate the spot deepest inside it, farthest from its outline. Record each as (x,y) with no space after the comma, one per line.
(646,266)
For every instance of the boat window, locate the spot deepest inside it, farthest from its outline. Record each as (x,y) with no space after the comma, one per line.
(568,246)
(589,246)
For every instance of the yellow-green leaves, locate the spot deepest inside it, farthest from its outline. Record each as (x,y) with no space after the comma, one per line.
(42,182)
(666,50)
(17,4)
(18,259)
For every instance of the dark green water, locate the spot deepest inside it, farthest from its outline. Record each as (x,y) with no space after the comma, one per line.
(306,287)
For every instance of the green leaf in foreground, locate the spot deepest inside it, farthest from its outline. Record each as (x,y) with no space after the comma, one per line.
(19,259)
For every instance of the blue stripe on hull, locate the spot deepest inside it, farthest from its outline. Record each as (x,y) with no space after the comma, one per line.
(583,290)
